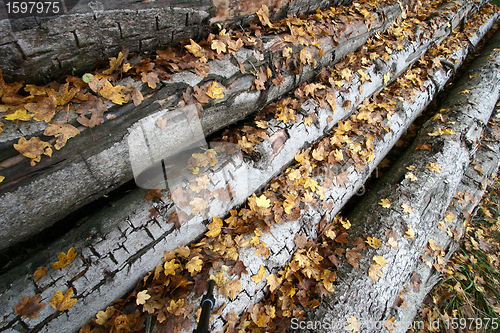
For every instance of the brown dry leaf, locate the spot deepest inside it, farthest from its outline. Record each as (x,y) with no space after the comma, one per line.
(40,273)
(114,93)
(62,302)
(64,259)
(421,146)
(33,148)
(62,132)
(273,282)
(150,78)
(231,288)
(392,238)
(342,178)
(114,63)
(260,274)
(374,271)
(44,110)
(136,94)
(153,193)
(214,91)
(352,257)
(238,269)
(96,107)
(263,14)
(29,307)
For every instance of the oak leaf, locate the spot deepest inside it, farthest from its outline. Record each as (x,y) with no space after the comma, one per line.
(64,259)
(29,307)
(62,302)
(33,148)
(62,132)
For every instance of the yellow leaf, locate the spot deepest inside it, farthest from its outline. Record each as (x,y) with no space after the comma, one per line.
(263,201)
(170,267)
(373,242)
(406,208)
(214,228)
(345,223)
(260,275)
(65,259)
(2,178)
(273,282)
(62,132)
(449,216)
(411,176)
(114,94)
(194,265)
(308,121)
(20,114)
(33,148)
(214,91)
(263,14)
(463,92)
(62,302)
(103,316)
(40,273)
(380,260)
(194,48)
(114,63)
(219,278)
(142,297)
(385,203)
(374,272)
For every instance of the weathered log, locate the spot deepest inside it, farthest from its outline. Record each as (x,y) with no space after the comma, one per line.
(371,303)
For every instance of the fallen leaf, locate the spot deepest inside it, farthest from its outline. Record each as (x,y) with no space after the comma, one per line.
(170,267)
(373,242)
(150,78)
(142,297)
(214,228)
(62,132)
(103,316)
(262,201)
(260,275)
(433,167)
(194,48)
(44,110)
(62,302)
(409,233)
(380,260)
(33,148)
(214,91)
(406,208)
(114,93)
(29,307)
(374,271)
(219,46)
(273,282)
(96,108)
(194,265)
(64,259)
(385,203)
(231,288)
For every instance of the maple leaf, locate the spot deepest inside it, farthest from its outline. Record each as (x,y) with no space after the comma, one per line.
(33,148)
(238,269)
(409,233)
(199,206)
(411,176)
(214,91)
(96,107)
(273,282)
(374,271)
(380,260)
(260,274)
(142,297)
(449,216)
(392,238)
(40,273)
(64,259)
(150,78)
(346,74)
(62,302)
(19,114)
(114,93)
(183,251)
(44,110)
(433,167)
(170,267)
(231,288)
(114,63)
(194,265)
(29,307)
(219,46)
(385,203)
(342,178)
(406,208)
(62,132)
(373,242)
(353,324)
(194,48)
(352,257)
(262,201)
(214,228)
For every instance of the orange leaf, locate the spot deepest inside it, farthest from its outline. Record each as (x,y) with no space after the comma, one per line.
(64,259)
(62,302)
(33,148)
(62,132)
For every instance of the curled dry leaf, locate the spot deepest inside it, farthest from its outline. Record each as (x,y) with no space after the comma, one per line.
(40,273)
(96,108)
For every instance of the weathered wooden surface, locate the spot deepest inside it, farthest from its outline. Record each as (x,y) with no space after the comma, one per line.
(356,294)
(49,47)
(95,168)
(123,243)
